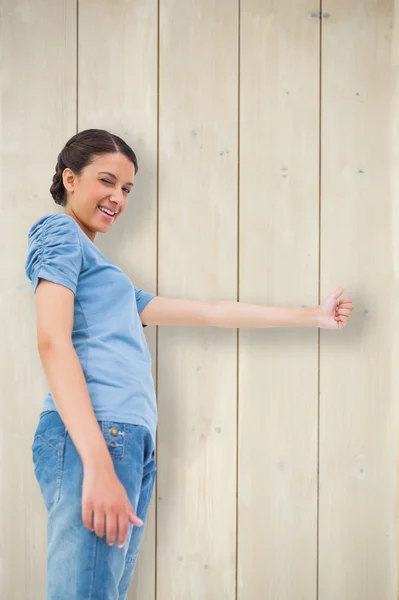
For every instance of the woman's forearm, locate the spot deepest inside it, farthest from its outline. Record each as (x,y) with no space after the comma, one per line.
(227,313)
(69,390)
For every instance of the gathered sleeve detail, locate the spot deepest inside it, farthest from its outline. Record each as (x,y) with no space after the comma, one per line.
(54,251)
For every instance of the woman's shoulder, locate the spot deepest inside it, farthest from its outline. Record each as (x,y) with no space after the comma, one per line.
(54,226)
(53,222)
(54,250)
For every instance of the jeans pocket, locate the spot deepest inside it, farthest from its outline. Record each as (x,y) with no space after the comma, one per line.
(47,456)
(50,438)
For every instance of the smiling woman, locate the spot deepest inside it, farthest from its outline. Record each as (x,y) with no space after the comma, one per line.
(95,169)
(94,446)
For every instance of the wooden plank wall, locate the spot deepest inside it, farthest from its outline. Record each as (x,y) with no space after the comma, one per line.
(359,232)
(279,263)
(266,134)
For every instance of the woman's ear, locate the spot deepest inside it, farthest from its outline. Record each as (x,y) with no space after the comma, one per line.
(69,179)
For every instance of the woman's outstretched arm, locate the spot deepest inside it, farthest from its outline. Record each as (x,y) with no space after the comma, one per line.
(331,314)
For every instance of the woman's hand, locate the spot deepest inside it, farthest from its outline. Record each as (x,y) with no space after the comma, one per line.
(334,313)
(106,509)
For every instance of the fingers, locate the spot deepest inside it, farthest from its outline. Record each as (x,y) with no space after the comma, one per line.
(87,515)
(111,524)
(99,522)
(342,319)
(344,312)
(133,518)
(123,529)
(106,509)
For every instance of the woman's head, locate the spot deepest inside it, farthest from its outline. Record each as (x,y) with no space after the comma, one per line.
(95,168)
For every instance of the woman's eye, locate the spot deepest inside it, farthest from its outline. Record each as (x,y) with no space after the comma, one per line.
(110,183)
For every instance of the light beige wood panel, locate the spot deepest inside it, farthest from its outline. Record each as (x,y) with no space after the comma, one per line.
(394,239)
(279,260)
(198,261)
(38,99)
(118,92)
(359,367)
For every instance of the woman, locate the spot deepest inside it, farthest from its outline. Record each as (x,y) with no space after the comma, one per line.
(94,447)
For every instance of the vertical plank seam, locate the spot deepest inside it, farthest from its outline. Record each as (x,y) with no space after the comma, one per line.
(319,299)
(238,288)
(157,292)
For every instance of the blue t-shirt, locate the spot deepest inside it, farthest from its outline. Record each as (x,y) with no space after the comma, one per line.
(107,332)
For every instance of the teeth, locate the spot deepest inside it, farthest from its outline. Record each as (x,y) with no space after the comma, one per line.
(108,212)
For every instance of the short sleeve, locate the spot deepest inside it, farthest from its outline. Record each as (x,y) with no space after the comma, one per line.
(142,299)
(54,251)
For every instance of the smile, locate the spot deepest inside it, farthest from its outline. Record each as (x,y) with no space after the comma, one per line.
(106,215)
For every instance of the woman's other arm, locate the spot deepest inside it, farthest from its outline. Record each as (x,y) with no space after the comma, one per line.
(103,494)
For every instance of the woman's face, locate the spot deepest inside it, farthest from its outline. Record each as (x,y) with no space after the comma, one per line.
(106,183)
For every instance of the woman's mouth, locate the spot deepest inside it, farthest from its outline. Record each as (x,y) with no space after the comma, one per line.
(106,216)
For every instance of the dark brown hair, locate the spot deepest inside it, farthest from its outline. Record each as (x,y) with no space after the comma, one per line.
(80,150)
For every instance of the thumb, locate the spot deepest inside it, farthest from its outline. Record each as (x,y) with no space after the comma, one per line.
(338,293)
(133,518)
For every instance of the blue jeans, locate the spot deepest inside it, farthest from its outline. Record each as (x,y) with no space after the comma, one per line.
(81,565)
